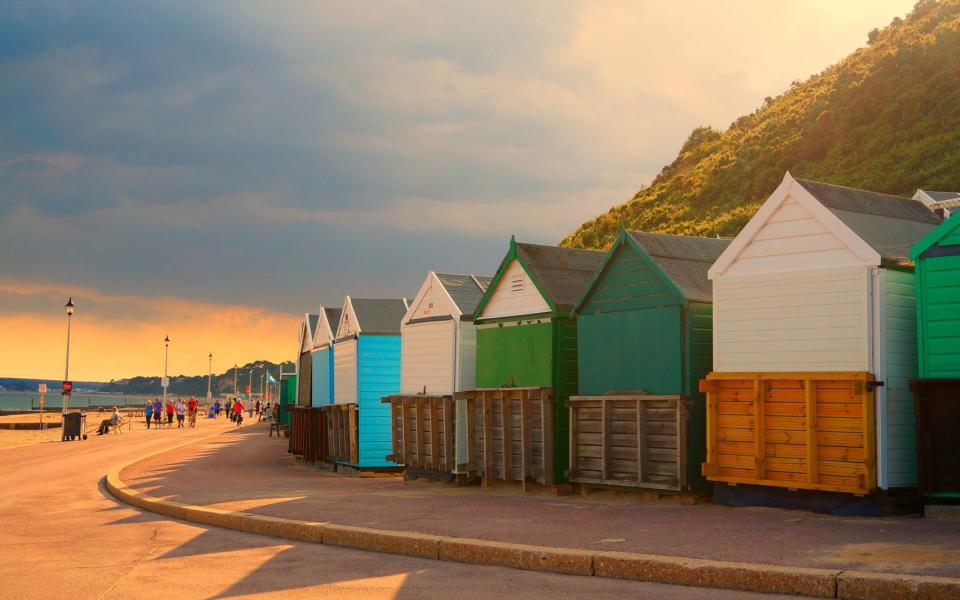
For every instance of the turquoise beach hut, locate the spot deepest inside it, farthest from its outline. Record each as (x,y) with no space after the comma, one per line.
(366,367)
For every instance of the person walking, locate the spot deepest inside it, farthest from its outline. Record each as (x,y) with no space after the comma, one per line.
(157,410)
(217,407)
(192,407)
(148,412)
(106,424)
(226,408)
(250,410)
(256,406)
(238,412)
(170,410)
(181,409)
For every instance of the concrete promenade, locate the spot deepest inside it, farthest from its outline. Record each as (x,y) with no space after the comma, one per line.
(63,536)
(253,473)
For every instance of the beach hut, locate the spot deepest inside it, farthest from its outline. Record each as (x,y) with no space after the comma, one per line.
(321,356)
(813,349)
(937,389)
(304,360)
(438,358)
(526,336)
(644,328)
(366,359)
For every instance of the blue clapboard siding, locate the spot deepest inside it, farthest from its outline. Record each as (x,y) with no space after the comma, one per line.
(378,375)
(322,377)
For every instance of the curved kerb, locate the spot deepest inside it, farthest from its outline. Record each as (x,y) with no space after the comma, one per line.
(772,579)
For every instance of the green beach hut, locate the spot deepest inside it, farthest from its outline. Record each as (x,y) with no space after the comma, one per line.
(644,323)
(526,336)
(937,391)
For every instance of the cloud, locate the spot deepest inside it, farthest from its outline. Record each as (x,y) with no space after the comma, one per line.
(122,335)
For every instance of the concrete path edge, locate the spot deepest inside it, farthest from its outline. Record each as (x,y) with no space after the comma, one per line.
(771,579)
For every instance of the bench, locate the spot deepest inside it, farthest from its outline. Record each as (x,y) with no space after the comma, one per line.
(281,429)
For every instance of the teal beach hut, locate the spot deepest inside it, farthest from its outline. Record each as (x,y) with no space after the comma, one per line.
(644,324)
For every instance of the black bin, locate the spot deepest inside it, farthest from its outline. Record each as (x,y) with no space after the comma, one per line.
(73,426)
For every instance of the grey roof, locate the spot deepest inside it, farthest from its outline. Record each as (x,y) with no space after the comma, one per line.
(891,225)
(562,273)
(313,323)
(379,315)
(941,196)
(333,317)
(684,259)
(464,290)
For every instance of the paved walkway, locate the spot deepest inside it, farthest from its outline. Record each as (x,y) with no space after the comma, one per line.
(250,472)
(62,536)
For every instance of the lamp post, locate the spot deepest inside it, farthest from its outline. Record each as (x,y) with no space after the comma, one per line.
(249,384)
(210,377)
(70,307)
(234,379)
(166,380)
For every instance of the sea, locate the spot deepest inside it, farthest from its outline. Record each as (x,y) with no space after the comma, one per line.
(54,401)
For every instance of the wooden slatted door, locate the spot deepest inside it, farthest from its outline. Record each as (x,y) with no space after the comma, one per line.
(628,440)
(340,421)
(795,430)
(422,431)
(512,434)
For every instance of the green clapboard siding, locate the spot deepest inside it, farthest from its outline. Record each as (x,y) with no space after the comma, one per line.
(637,333)
(534,355)
(938,316)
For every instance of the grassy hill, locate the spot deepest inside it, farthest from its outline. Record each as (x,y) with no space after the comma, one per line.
(196,385)
(886,118)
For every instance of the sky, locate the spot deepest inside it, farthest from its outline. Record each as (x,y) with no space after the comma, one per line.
(213,170)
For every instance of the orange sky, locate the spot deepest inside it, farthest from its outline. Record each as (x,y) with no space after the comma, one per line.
(120,336)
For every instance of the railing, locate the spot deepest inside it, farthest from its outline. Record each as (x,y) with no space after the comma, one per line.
(628,440)
(340,421)
(423,431)
(796,430)
(308,433)
(511,434)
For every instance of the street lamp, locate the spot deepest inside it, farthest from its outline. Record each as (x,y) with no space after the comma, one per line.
(209,376)
(70,307)
(166,380)
(250,383)
(234,379)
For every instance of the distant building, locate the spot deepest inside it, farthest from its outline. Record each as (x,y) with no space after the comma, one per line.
(942,203)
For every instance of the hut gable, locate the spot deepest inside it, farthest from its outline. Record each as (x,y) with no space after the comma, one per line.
(307,327)
(381,316)
(644,270)
(431,302)
(535,279)
(326,328)
(944,240)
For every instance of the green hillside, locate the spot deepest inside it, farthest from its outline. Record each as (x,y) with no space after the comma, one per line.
(196,385)
(886,118)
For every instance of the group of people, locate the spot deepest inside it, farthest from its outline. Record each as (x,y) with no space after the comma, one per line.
(154,411)
(234,408)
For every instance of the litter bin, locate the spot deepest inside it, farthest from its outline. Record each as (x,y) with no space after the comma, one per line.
(73,425)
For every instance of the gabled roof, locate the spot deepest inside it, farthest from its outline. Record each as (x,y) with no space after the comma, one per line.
(313,319)
(560,274)
(327,324)
(308,327)
(941,196)
(931,239)
(466,291)
(379,315)
(684,259)
(891,225)
(878,228)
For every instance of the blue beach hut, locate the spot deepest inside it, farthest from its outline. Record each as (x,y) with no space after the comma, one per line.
(321,356)
(366,367)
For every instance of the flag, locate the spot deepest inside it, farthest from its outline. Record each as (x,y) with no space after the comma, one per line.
(270,378)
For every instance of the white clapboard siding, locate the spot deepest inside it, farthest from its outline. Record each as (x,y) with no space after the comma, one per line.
(515,294)
(792,239)
(427,357)
(799,321)
(345,372)
(899,331)
(432,302)
(467,379)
